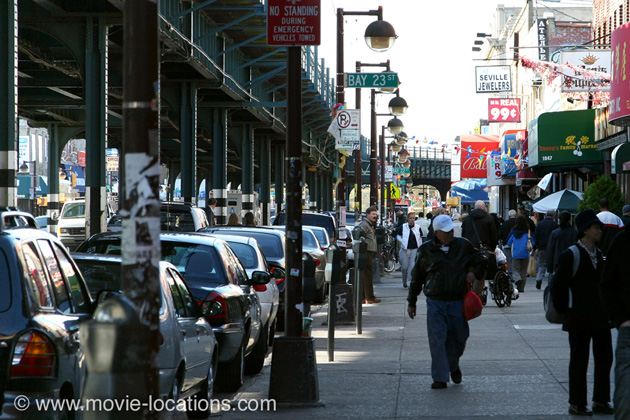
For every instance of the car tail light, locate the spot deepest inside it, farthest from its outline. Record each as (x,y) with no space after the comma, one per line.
(317,263)
(324,248)
(34,355)
(260,287)
(221,316)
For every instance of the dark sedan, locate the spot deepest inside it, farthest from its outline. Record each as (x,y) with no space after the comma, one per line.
(213,273)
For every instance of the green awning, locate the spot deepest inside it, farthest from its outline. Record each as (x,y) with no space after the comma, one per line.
(619,156)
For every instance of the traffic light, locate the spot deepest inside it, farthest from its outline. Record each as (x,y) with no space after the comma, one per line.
(74,179)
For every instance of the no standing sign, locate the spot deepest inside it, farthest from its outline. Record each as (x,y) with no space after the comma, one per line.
(293,22)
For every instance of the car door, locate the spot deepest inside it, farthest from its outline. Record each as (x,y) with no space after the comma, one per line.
(191,333)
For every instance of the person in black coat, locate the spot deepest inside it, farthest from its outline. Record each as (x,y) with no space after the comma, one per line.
(615,290)
(578,297)
(561,238)
(479,227)
(541,238)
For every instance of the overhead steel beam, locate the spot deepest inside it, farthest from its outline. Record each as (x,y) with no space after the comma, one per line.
(240,44)
(262,57)
(265,77)
(192,9)
(231,24)
(243,104)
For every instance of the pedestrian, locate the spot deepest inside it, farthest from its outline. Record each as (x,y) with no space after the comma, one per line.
(519,235)
(561,238)
(408,234)
(612,225)
(504,234)
(443,268)
(423,223)
(480,228)
(212,203)
(400,217)
(625,217)
(530,222)
(233,220)
(437,212)
(615,292)
(249,219)
(541,239)
(368,228)
(457,221)
(578,297)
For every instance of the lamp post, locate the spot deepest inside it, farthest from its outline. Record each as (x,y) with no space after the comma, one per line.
(379,36)
(26,169)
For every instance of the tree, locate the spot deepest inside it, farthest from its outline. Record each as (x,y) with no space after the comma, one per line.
(603,187)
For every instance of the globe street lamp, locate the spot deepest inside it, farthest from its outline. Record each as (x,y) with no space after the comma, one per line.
(397,106)
(380,35)
(395,126)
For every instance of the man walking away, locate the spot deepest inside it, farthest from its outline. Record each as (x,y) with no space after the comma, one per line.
(504,234)
(541,239)
(615,291)
(368,226)
(479,227)
(212,203)
(625,217)
(423,224)
(444,267)
(612,225)
(408,235)
(560,239)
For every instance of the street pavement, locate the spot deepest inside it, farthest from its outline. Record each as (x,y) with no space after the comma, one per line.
(515,366)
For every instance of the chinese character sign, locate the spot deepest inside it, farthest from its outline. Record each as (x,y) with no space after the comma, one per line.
(619,90)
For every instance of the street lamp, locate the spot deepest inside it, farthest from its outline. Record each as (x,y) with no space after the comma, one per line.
(25,169)
(380,35)
(395,126)
(397,106)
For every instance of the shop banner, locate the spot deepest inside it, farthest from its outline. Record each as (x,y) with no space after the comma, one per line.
(619,90)
(504,110)
(474,154)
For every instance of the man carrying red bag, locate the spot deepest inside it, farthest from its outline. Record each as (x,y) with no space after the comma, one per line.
(444,267)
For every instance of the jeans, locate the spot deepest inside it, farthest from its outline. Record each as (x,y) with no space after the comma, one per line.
(580,342)
(407,262)
(541,264)
(448,331)
(622,374)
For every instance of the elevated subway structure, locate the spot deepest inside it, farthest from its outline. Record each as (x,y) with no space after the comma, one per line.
(222,97)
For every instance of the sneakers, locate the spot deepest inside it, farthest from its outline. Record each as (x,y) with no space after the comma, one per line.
(375,300)
(438,385)
(603,408)
(456,376)
(538,284)
(578,410)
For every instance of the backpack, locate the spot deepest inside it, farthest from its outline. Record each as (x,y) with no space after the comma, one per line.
(551,314)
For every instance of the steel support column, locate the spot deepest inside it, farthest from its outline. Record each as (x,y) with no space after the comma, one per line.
(54,153)
(188,133)
(219,163)
(8,102)
(279,178)
(96,124)
(247,174)
(264,160)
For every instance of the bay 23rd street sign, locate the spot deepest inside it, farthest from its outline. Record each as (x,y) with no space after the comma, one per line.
(493,79)
(291,22)
(371,80)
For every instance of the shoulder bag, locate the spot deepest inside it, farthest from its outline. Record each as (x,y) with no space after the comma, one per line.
(551,314)
(492,259)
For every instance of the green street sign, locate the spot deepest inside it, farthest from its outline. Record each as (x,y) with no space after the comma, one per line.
(402,171)
(371,80)
(402,182)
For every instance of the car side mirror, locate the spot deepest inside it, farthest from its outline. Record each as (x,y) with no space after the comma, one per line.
(55,216)
(279,273)
(259,278)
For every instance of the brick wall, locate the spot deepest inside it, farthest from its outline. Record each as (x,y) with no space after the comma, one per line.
(607,16)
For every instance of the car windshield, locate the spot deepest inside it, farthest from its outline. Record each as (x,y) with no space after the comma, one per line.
(115,221)
(322,237)
(308,239)
(73,210)
(270,244)
(176,221)
(320,220)
(245,253)
(199,264)
(100,275)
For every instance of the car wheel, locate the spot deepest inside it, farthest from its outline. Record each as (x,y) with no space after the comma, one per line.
(255,361)
(203,409)
(231,374)
(175,389)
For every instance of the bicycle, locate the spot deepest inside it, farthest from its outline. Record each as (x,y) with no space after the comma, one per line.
(388,253)
(501,288)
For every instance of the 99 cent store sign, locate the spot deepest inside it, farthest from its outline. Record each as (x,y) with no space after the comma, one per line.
(504,110)
(293,22)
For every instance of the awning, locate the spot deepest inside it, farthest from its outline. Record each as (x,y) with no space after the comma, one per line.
(470,190)
(619,156)
(24,182)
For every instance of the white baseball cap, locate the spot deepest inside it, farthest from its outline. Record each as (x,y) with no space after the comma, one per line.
(443,222)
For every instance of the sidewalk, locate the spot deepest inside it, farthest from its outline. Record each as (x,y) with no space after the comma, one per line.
(515,366)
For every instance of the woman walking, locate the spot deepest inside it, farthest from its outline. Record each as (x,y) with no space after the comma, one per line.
(517,240)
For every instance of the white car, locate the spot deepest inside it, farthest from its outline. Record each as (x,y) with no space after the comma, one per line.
(251,256)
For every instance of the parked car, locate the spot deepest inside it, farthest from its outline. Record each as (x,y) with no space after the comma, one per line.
(311,245)
(214,274)
(322,236)
(181,217)
(44,299)
(71,222)
(251,256)
(312,219)
(42,223)
(114,224)
(187,366)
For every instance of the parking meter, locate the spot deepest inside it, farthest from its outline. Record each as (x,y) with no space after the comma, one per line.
(309,287)
(359,247)
(381,232)
(114,341)
(334,261)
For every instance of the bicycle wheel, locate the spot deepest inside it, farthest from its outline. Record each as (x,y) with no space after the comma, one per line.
(502,295)
(390,264)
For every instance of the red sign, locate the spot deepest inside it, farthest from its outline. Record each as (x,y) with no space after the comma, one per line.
(293,22)
(474,154)
(81,158)
(619,92)
(504,110)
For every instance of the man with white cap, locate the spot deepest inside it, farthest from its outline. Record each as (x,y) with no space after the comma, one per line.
(444,267)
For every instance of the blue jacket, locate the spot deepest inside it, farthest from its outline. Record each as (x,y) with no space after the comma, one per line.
(518,242)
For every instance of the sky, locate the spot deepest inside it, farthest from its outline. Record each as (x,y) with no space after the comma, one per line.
(432,56)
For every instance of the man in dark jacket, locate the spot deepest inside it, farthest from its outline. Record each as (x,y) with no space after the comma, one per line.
(559,240)
(615,291)
(541,239)
(612,225)
(625,217)
(444,266)
(479,227)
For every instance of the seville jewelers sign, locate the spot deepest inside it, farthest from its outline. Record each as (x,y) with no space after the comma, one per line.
(293,22)
(493,79)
